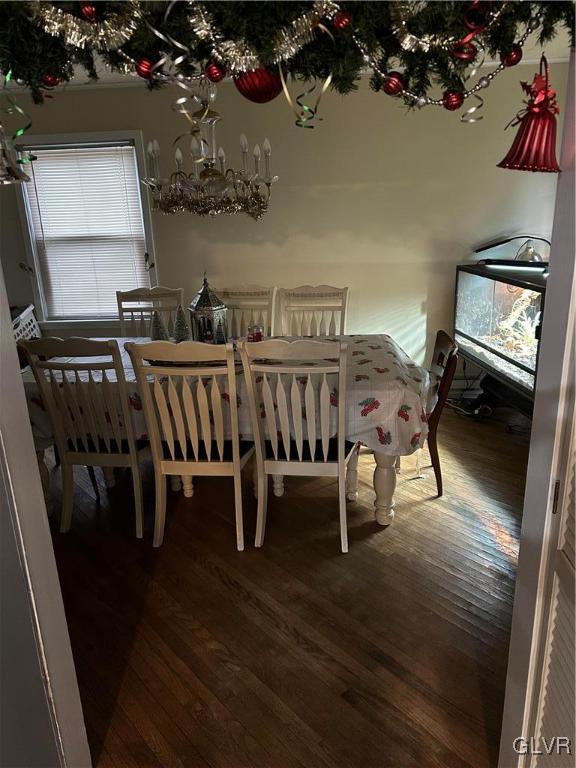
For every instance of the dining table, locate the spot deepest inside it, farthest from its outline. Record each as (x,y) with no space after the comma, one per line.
(388,400)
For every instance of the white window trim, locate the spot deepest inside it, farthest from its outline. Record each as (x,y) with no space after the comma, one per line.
(31,255)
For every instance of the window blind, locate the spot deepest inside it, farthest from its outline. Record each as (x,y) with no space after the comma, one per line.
(86,220)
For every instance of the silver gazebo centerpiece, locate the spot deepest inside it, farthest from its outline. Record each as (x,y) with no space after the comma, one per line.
(208,316)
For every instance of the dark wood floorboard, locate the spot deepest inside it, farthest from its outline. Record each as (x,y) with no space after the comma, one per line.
(296,656)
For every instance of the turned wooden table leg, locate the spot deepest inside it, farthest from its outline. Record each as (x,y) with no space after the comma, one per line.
(187,486)
(384,487)
(278,485)
(175,483)
(109,478)
(44,478)
(352,476)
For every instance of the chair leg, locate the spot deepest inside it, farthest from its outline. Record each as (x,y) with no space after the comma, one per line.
(160,515)
(137,484)
(238,510)
(262,509)
(57,461)
(342,509)
(67,496)
(255,478)
(433,448)
(92,476)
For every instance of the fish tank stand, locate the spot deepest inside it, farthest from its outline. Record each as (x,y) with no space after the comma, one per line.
(497,325)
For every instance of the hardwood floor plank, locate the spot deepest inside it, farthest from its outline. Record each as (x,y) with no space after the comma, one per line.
(295,656)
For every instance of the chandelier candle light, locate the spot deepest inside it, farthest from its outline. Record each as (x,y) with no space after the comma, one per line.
(210,188)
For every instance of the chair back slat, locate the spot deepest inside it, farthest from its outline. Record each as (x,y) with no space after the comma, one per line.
(71,398)
(204,410)
(296,403)
(250,306)
(270,412)
(111,411)
(86,405)
(102,423)
(165,421)
(217,416)
(191,418)
(88,414)
(303,368)
(313,310)
(136,309)
(325,416)
(283,415)
(177,416)
(184,388)
(310,407)
(62,408)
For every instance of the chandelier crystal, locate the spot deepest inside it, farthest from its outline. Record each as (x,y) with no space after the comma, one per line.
(209,188)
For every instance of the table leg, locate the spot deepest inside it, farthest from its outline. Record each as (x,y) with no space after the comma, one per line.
(44,478)
(187,486)
(278,485)
(384,486)
(109,478)
(175,483)
(352,476)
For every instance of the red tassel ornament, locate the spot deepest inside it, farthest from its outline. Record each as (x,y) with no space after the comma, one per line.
(534,148)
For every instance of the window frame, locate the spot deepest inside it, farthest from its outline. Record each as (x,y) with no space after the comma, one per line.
(78,139)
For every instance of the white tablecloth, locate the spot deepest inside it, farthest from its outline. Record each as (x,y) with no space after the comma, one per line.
(387,401)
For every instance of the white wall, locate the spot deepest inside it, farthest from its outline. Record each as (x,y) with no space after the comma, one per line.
(381,200)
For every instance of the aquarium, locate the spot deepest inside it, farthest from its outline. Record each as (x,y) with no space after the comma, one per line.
(497,318)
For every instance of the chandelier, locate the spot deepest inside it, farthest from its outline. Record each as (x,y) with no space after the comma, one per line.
(209,188)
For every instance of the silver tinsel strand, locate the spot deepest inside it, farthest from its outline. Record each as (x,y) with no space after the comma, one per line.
(105,35)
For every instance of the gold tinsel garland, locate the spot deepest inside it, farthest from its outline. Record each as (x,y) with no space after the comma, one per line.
(106,35)
(239,56)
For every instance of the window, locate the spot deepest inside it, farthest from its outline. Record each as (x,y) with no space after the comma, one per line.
(85,218)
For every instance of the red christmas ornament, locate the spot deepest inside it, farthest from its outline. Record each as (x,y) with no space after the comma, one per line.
(452,100)
(393,83)
(215,72)
(341,19)
(534,148)
(144,68)
(464,51)
(88,11)
(259,85)
(513,56)
(50,81)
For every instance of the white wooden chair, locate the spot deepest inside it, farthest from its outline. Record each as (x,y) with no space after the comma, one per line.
(188,393)
(250,306)
(288,381)
(87,403)
(312,310)
(136,308)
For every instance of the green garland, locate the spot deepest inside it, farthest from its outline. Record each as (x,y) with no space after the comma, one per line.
(31,53)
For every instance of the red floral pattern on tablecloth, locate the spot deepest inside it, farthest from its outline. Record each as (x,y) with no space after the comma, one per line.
(387,402)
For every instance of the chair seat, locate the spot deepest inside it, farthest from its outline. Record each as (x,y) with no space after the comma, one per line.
(245,446)
(103,448)
(319,454)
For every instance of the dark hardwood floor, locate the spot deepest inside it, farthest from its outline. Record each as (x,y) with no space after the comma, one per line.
(296,656)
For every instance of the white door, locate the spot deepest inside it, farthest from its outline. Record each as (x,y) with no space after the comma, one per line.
(538,725)
(552,718)
(41,715)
